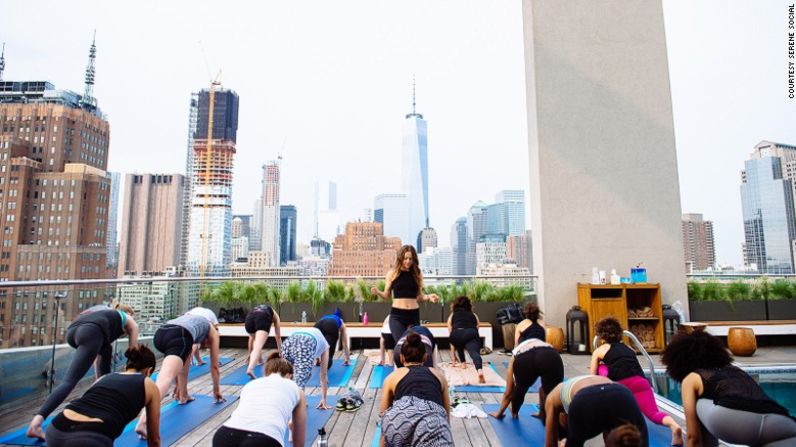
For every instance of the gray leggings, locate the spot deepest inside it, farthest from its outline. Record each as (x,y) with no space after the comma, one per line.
(744,427)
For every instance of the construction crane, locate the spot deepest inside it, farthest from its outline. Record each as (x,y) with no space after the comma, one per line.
(206,236)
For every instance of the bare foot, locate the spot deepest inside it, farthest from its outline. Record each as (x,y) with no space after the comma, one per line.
(677,436)
(481,378)
(34,429)
(464,365)
(251,374)
(497,415)
(189,399)
(454,364)
(140,429)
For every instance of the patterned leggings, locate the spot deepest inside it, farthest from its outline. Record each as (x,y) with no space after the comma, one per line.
(412,421)
(299,349)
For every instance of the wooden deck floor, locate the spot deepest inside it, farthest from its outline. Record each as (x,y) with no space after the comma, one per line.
(344,429)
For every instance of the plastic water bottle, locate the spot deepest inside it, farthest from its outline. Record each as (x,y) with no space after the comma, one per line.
(322,442)
(365,318)
(303,316)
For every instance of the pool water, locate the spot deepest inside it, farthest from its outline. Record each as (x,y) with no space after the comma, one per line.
(777,384)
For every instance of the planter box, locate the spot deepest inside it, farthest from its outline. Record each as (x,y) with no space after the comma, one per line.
(782,309)
(291,312)
(727,311)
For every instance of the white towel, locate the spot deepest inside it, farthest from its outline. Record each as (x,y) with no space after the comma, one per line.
(467,411)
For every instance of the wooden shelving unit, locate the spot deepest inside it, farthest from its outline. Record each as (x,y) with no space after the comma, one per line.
(636,306)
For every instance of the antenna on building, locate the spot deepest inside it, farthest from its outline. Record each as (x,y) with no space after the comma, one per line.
(414,112)
(2,61)
(88,92)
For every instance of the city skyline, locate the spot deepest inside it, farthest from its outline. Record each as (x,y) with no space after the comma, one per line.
(336,111)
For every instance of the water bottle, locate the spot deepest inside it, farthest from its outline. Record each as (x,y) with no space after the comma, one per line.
(303,316)
(365,318)
(322,442)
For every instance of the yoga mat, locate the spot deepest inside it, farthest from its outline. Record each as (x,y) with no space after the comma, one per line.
(380,372)
(338,375)
(481,389)
(177,421)
(526,430)
(238,376)
(315,419)
(660,435)
(197,371)
(376,437)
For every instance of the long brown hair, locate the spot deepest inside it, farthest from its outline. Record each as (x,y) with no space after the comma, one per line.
(415,265)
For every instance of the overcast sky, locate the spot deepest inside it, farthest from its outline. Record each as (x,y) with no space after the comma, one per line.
(328,85)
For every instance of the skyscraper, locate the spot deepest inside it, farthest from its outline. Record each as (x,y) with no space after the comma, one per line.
(245,225)
(392,210)
(698,244)
(210,240)
(414,178)
(256,229)
(767,198)
(459,246)
(225,119)
(363,251)
(111,244)
(476,228)
(287,234)
(270,213)
(240,242)
(520,250)
(427,239)
(326,216)
(53,155)
(151,224)
(510,212)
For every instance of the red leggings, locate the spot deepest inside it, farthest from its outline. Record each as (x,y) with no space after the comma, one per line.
(642,390)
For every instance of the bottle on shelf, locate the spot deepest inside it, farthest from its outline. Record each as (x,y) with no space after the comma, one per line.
(365,318)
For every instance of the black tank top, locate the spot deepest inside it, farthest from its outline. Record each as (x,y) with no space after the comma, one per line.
(108,320)
(420,382)
(404,285)
(116,399)
(731,387)
(535,330)
(622,362)
(464,319)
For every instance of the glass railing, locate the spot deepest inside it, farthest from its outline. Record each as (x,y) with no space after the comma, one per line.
(34,315)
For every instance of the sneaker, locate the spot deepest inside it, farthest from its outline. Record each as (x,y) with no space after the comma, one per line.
(341,404)
(353,405)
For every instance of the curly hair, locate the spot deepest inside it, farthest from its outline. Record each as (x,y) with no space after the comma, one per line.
(609,330)
(532,311)
(461,302)
(625,435)
(687,353)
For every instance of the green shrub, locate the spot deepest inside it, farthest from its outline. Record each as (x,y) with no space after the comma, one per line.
(294,293)
(695,290)
(739,291)
(782,289)
(761,289)
(713,291)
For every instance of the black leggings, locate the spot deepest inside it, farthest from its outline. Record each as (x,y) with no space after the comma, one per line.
(89,342)
(401,320)
(467,338)
(232,437)
(331,333)
(79,438)
(598,409)
(529,366)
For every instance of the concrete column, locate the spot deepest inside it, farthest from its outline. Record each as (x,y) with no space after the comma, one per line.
(603,166)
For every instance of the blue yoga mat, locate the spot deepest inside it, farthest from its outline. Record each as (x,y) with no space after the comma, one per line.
(376,437)
(197,371)
(177,421)
(526,430)
(338,375)
(238,376)
(315,419)
(660,435)
(380,372)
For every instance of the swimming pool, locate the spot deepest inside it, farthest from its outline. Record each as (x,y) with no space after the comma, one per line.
(778,382)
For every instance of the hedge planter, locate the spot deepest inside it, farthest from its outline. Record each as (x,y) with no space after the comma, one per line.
(728,310)
(291,312)
(782,309)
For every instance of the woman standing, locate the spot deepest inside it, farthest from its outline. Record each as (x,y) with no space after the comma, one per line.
(258,326)
(415,405)
(100,415)
(333,329)
(405,284)
(301,349)
(531,360)
(623,367)
(266,407)
(531,327)
(91,335)
(463,330)
(720,400)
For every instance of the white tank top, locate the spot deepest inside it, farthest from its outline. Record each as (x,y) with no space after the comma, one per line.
(266,405)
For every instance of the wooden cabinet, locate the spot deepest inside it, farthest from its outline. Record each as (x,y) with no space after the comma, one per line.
(636,306)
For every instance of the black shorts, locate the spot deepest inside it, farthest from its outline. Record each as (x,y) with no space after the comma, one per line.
(389,342)
(171,339)
(258,321)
